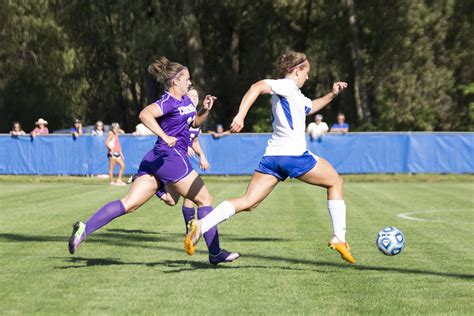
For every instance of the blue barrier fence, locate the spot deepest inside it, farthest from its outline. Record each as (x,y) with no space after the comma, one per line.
(240,153)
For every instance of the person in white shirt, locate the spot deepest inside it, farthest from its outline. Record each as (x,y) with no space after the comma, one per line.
(286,154)
(317,128)
(142,130)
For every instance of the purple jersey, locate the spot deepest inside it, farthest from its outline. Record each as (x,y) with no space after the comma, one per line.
(176,119)
(194,133)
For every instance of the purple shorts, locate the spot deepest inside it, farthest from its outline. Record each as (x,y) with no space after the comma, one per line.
(167,165)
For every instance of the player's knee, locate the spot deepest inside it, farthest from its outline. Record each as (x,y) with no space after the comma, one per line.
(340,181)
(249,204)
(204,200)
(129,205)
(254,206)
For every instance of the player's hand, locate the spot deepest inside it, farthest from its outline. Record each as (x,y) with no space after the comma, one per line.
(204,164)
(337,87)
(237,124)
(191,152)
(208,102)
(170,141)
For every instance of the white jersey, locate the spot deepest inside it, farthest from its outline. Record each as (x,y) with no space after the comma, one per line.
(289,110)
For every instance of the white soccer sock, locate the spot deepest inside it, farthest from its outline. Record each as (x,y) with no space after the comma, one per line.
(337,211)
(221,213)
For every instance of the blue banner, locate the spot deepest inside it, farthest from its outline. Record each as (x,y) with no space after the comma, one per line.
(241,153)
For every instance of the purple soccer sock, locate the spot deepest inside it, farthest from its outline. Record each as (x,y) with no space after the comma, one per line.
(188,214)
(103,216)
(211,236)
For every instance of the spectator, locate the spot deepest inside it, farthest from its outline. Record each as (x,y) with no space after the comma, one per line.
(76,130)
(16,129)
(219,131)
(115,154)
(142,130)
(317,128)
(40,128)
(341,126)
(98,129)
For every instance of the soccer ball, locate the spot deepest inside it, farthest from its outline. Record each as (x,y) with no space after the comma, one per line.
(390,241)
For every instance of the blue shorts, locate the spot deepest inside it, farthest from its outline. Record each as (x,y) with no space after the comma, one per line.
(282,167)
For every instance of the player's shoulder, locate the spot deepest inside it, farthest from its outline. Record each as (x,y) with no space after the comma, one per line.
(283,86)
(165,98)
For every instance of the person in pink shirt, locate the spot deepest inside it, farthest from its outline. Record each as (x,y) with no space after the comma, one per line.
(115,154)
(40,128)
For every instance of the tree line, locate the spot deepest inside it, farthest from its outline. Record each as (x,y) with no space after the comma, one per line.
(409,63)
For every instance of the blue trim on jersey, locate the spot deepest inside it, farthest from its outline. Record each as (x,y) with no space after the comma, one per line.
(282,167)
(307,110)
(286,109)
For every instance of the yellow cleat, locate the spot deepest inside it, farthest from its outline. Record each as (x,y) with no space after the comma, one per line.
(344,250)
(192,237)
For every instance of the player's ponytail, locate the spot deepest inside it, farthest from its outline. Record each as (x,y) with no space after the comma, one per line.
(165,70)
(290,61)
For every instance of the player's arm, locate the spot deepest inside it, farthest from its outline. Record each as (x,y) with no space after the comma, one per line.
(148,117)
(202,115)
(320,103)
(204,164)
(258,88)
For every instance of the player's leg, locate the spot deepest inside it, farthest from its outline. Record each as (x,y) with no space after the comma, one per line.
(324,175)
(193,188)
(260,186)
(141,191)
(258,189)
(188,212)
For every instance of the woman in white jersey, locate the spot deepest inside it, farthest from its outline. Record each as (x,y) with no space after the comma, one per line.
(286,153)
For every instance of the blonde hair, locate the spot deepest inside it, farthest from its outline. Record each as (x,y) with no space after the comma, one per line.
(165,70)
(289,61)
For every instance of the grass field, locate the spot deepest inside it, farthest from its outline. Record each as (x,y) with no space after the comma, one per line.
(136,265)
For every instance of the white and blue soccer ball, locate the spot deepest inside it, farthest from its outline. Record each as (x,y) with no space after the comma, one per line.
(390,241)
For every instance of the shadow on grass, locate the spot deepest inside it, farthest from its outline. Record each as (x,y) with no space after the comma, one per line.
(131,235)
(230,237)
(117,238)
(133,231)
(176,266)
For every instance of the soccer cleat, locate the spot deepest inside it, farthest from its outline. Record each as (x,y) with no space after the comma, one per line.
(193,236)
(344,250)
(77,236)
(223,257)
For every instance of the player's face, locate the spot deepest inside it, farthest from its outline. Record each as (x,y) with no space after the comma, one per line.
(302,74)
(194,96)
(183,82)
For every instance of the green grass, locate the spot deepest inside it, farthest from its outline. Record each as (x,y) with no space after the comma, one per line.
(136,264)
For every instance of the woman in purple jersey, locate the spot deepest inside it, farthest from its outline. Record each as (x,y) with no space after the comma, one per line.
(216,253)
(166,163)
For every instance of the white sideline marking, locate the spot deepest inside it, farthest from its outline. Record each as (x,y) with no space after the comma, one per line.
(407,215)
